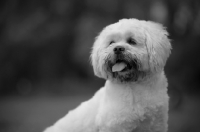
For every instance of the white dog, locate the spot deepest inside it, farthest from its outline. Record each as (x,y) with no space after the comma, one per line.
(130,55)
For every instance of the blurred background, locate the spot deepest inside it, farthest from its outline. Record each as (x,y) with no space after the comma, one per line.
(44,57)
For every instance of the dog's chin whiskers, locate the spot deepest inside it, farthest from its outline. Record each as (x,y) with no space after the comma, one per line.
(139,67)
(107,63)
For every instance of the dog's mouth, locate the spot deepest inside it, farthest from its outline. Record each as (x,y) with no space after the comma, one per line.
(122,66)
(124,70)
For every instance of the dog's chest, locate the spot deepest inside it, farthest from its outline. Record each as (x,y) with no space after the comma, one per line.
(127,119)
(126,111)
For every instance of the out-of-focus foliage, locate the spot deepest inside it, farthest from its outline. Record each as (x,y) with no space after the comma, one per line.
(43,42)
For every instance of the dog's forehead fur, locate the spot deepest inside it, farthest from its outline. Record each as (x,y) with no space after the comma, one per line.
(124,28)
(125,24)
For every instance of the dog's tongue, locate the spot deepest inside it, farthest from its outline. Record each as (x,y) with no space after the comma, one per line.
(118,67)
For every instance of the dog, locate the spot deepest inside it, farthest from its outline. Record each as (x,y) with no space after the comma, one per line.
(130,55)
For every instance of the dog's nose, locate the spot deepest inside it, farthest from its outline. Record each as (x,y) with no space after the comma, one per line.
(118,49)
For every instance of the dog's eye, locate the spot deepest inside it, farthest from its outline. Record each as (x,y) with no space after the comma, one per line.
(131,41)
(111,42)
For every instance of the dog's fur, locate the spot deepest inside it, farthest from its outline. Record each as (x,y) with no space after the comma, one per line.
(134,99)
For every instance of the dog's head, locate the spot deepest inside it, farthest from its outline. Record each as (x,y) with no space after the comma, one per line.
(130,50)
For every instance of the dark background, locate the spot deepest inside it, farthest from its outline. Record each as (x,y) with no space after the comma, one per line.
(44,57)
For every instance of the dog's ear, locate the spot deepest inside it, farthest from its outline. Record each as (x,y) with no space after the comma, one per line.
(95,61)
(158,45)
(95,58)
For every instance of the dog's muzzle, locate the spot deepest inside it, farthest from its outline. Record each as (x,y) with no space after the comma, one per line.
(123,66)
(122,61)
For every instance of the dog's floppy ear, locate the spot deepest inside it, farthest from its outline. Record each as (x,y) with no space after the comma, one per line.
(95,62)
(158,45)
(95,58)
(97,55)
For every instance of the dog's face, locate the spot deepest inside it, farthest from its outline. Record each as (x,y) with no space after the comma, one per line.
(130,50)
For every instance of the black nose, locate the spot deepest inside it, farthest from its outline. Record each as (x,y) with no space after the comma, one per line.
(118,49)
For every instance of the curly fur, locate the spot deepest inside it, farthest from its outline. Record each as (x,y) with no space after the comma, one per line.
(132,101)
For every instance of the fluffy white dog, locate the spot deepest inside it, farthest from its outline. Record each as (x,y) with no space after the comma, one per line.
(130,55)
